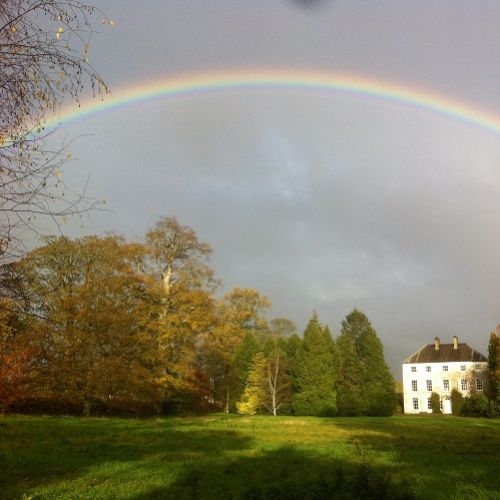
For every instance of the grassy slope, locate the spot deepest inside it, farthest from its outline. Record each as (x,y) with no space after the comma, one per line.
(233,457)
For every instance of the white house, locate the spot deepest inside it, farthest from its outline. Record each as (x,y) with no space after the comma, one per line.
(441,368)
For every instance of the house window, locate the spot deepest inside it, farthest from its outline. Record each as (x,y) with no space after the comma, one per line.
(463,383)
(427,368)
(414,385)
(441,404)
(462,368)
(429,385)
(446,385)
(429,404)
(413,368)
(445,368)
(415,403)
(479,384)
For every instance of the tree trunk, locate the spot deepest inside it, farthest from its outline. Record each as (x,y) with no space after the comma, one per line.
(166,276)
(86,408)
(226,409)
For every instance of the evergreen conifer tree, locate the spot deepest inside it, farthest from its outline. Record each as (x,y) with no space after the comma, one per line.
(254,395)
(366,385)
(315,372)
(493,387)
(243,359)
(350,378)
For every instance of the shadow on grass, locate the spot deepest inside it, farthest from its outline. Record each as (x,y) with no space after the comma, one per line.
(286,473)
(44,450)
(454,457)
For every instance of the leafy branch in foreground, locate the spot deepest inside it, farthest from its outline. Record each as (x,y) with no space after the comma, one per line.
(44,47)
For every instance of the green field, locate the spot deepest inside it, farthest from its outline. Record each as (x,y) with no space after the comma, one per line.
(220,456)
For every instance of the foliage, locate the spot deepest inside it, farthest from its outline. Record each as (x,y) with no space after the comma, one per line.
(178,256)
(241,311)
(15,357)
(315,372)
(476,405)
(493,382)
(435,403)
(365,385)
(457,402)
(44,47)
(243,359)
(90,310)
(254,394)
(282,328)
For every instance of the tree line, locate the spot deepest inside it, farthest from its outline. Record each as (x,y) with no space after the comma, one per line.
(99,324)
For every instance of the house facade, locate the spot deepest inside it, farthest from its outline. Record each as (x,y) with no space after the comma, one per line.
(440,368)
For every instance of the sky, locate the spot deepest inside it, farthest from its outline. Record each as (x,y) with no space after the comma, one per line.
(323,201)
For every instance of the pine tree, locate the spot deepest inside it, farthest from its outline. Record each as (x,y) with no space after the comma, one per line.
(366,385)
(350,378)
(243,359)
(493,387)
(254,395)
(315,372)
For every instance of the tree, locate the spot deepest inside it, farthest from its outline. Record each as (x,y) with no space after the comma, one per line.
(350,378)
(436,403)
(315,372)
(92,310)
(369,377)
(243,359)
(254,395)
(267,386)
(493,382)
(179,260)
(240,311)
(44,46)
(457,402)
(282,328)
(178,255)
(15,357)
(279,386)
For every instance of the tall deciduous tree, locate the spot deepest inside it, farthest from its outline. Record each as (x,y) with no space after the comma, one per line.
(95,308)
(15,357)
(282,328)
(178,255)
(180,261)
(279,384)
(315,372)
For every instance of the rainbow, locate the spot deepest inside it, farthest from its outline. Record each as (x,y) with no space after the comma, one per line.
(279,80)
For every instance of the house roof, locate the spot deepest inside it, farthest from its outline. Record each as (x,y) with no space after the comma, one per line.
(446,353)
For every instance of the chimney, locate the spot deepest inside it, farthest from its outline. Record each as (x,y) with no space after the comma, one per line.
(455,342)
(436,343)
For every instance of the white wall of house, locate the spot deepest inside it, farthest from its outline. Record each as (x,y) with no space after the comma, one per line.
(462,375)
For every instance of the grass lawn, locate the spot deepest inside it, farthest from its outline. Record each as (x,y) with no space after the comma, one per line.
(225,457)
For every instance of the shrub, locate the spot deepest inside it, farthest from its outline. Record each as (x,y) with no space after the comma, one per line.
(475,406)
(457,402)
(435,403)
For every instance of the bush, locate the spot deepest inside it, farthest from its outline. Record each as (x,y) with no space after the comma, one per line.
(475,406)
(457,402)
(435,403)
(493,410)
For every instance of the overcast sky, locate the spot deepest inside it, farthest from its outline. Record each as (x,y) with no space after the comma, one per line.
(325,202)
